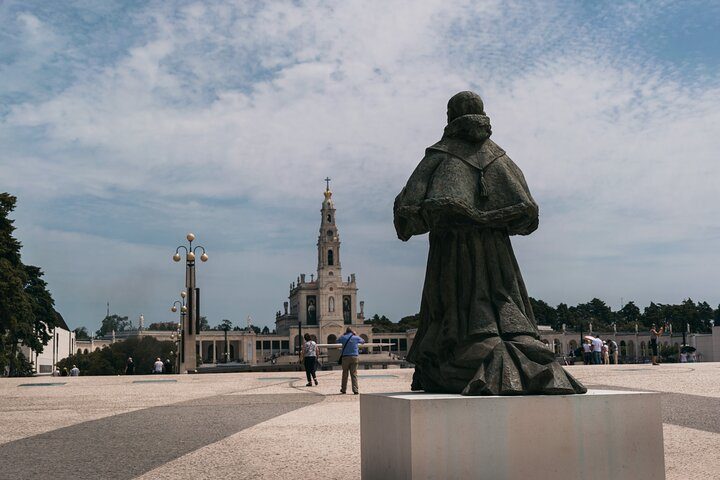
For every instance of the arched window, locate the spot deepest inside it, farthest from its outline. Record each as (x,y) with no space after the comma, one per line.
(623,348)
(329,233)
(297,342)
(643,349)
(85,351)
(329,218)
(332,339)
(331,274)
(330,258)
(331,304)
(364,337)
(631,349)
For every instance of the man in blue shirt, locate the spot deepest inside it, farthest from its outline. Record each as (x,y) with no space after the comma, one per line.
(349,354)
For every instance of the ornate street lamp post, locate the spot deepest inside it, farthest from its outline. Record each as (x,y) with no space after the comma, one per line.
(191,324)
(177,335)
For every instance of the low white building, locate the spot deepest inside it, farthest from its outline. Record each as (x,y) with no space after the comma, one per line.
(61,345)
(635,346)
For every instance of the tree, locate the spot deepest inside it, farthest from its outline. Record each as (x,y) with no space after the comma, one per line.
(562,315)
(225,325)
(545,314)
(81,333)
(628,316)
(382,324)
(163,326)
(37,333)
(204,324)
(26,306)
(409,322)
(113,322)
(704,315)
(111,359)
(653,313)
(597,312)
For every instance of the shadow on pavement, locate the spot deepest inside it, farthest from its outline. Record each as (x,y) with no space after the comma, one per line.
(130,444)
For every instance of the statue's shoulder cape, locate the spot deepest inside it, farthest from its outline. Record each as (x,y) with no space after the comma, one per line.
(478,156)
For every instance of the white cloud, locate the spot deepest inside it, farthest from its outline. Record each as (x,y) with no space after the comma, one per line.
(260,103)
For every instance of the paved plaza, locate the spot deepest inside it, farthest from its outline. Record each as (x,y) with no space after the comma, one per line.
(269,425)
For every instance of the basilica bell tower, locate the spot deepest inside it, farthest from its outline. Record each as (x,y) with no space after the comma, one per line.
(323,306)
(329,269)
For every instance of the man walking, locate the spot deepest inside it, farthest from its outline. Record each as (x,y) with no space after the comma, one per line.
(349,354)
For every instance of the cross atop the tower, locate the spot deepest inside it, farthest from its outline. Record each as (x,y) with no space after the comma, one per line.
(327,184)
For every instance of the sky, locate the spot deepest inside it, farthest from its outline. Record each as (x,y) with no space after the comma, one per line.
(124,125)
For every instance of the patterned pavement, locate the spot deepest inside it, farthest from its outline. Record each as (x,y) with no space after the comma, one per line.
(269,425)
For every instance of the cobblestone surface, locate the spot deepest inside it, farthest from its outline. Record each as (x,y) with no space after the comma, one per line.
(242,425)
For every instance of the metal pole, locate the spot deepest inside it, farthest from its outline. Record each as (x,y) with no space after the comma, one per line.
(190,326)
(299,346)
(225,354)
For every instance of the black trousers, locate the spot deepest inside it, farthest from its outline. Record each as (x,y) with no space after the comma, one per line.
(310,367)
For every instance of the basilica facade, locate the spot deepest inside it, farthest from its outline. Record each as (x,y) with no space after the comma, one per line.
(325,304)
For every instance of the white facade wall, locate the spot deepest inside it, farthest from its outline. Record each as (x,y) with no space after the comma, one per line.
(707,345)
(61,346)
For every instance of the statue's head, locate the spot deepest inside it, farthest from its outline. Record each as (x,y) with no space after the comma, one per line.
(464,103)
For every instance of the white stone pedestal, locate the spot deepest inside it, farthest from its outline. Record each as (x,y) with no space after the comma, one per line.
(601,435)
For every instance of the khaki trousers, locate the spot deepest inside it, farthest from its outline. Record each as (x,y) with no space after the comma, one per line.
(349,364)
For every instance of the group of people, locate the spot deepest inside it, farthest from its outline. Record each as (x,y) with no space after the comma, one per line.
(349,354)
(599,352)
(158,367)
(73,372)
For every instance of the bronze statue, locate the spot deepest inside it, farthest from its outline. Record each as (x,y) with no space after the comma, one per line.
(477,333)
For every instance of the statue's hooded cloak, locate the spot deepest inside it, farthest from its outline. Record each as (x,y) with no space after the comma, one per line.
(477,333)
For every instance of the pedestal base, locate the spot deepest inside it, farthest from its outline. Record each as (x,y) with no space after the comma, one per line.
(603,434)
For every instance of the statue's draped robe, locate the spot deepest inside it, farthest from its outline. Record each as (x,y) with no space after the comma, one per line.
(477,333)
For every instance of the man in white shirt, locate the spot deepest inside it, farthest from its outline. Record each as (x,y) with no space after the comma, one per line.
(158,366)
(74,371)
(597,345)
